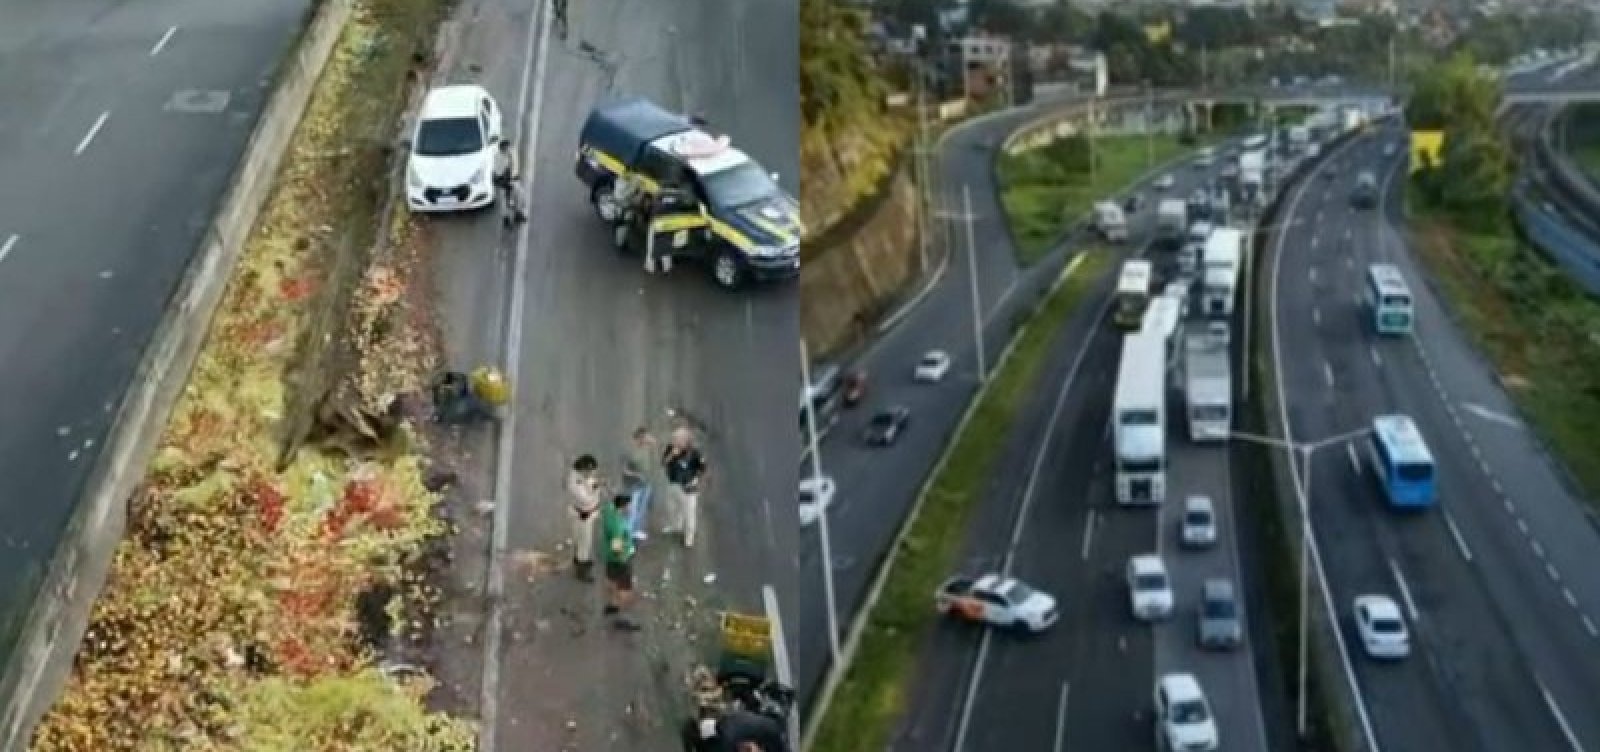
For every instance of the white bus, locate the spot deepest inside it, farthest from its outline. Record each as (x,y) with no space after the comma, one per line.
(1133,293)
(1389,299)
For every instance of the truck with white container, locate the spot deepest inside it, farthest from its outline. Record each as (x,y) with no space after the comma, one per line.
(1139,420)
(1110,222)
(1252,181)
(1207,384)
(1172,221)
(1219,271)
(1133,293)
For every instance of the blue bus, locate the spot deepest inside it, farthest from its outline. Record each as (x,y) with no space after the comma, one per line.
(1402,462)
(1390,299)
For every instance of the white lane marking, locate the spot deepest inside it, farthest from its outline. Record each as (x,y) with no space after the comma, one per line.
(1550,569)
(1355,461)
(1589,625)
(88,138)
(1107,433)
(1455,532)
(1327,373)
(1561,719)
(1347,234)
(1405,591)
(11,242)
(1311,275)
(1061,718)
(1490,415)
(533,69)
(1315,239)
(1088,535)
(1377,359)
(1316,316)
(1349,262)
(1523,526)
(781,664)
(1538,550)
(162,43)
(1572,600)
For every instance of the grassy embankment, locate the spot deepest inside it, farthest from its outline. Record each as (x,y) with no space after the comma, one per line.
(228,621)
(1541,332)
(870,701)
(1046,190)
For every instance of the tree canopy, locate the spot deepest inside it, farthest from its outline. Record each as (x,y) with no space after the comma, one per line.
(1477,166)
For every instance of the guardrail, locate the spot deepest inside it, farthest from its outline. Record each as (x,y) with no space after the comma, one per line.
(1577,252)
(1046,127)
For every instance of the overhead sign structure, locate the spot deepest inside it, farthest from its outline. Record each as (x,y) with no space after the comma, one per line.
(1427,149)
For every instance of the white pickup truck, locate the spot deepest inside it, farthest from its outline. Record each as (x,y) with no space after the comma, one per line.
(998,601)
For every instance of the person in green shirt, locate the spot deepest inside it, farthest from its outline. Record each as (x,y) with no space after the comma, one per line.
(618,534)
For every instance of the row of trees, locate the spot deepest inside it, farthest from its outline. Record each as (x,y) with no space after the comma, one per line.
(835,70)
(1476,167)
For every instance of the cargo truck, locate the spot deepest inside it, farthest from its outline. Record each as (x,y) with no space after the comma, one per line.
(1220,271)
(1138,430)
(1207,384)
(1172,221)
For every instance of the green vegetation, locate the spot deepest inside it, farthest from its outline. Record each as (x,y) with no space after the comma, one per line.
(1578,132)
(1046,190)
(872,697)
(1521,310)
(849,143)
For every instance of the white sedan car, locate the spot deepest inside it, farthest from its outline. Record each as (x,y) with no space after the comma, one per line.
(933,366)
(816,496)
(1184,721)
(1149,587)
(1382,628)
(451,166)
(1164,182)
(1199,522)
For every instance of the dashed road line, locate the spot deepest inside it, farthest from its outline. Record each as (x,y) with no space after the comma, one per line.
(1355,461)
(1572,600)
(1538,550)
(1088,535)
(1377,359)
(1327,373)
(161,44)
(94,130)
(1405,592)
(1311,275)
(1561,719)
(1589,625)
(1550,569)
(1455,532)
(1316,316)
(11,242)
(1061,718)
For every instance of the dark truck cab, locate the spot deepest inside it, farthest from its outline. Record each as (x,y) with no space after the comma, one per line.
(733,215)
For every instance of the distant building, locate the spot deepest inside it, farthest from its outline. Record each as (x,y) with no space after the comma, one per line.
(984,61)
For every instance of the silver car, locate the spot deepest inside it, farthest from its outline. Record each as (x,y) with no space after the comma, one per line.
(1220,627)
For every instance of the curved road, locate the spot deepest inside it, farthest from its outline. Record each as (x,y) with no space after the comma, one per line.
(604,348)
(1499,579)
(877,487)
(109,178)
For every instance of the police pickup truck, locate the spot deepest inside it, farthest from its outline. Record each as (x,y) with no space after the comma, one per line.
(734,216)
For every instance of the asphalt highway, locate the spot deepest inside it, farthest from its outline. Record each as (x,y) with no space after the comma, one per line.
(110,173)
(605,348)
(877,487)
(1087,683)
(1497,581)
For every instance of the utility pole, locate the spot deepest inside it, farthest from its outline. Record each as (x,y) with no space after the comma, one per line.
(830,602)
(920,168)
(1090,132)
(1391,62)
(969,218)
(1149,125)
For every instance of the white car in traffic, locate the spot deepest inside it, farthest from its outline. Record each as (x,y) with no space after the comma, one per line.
(1164,182)
(933,366)
(1381,627)
(1149,587)
(1199,522)
(1184,722)
(451,165)
(816,496)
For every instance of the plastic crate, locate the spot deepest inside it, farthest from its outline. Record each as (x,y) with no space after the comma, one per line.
(746,636)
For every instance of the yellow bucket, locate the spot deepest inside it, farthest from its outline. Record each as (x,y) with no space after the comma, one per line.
(490,386)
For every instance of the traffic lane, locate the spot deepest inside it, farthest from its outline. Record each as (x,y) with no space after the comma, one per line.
(85,277)
(1087,681)
(1406,710)
(606,348)
(1492,702)
(1229,678)
(1494,541)
(1019,698)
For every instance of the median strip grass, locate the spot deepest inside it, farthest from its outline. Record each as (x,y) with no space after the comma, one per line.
(872,697)
(1045,190)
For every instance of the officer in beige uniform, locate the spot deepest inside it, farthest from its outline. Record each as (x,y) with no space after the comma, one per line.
(583,483)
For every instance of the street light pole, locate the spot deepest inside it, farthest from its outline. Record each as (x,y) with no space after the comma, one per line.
(1149,125)
(972,274)
(822,514)
(1302,452)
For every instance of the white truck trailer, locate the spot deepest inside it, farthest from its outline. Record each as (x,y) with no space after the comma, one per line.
(1139,420)
(1110,222)
(1172,221)
(1219,276)
(1207,384)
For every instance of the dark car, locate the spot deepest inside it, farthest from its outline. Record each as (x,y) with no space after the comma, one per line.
(1133,203)
(886,426)
(855,388)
